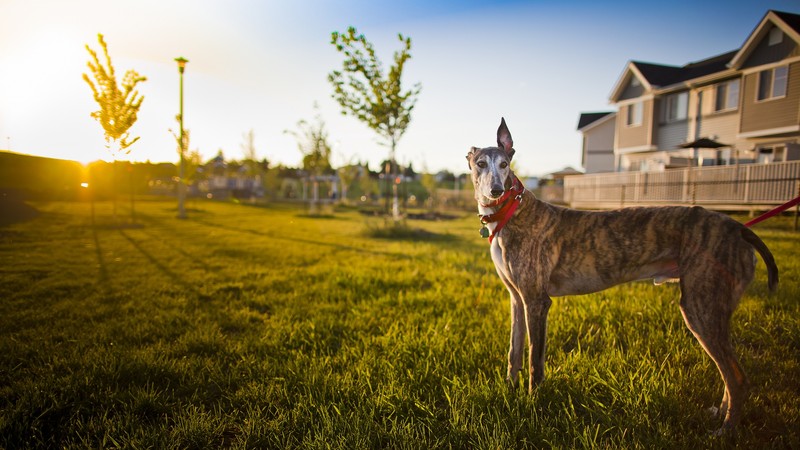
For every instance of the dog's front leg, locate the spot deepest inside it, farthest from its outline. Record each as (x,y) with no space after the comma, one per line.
(536,308)
(517,338)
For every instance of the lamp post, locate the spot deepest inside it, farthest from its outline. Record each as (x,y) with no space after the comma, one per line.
(181,187)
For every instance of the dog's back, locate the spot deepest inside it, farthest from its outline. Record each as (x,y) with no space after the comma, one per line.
(612,247)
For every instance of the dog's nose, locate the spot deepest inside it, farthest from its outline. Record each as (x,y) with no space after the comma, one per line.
(497,192)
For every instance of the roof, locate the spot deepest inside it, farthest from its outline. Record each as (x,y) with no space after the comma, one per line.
(790,19)
(657,76)
(587,119)
(564,172)
(789,23)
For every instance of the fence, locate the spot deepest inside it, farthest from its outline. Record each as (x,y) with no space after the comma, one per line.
(741,187)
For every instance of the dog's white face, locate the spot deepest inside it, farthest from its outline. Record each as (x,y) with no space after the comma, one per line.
(491,166)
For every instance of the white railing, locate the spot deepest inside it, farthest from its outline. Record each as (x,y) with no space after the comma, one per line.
(745,186)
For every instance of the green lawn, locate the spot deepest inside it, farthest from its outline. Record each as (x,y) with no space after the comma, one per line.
(260,327)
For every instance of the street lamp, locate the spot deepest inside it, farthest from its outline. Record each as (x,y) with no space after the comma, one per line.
(181,187)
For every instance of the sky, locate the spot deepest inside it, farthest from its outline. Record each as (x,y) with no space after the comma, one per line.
(262,65)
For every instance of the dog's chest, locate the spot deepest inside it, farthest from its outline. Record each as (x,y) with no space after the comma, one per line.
(497,258)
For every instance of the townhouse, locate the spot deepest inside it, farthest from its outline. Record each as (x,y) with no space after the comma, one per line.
(735,108)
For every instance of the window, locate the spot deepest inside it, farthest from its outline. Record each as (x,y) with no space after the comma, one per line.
(775,36)
(634,114)
(767,155)
(727,96)
(676,107)
(772,83)
(779,79)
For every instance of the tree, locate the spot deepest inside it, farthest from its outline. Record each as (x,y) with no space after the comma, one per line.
(253,168)
(312,141)
(348,173)
(430,185)
(248,146)
(119,104)
(364,91)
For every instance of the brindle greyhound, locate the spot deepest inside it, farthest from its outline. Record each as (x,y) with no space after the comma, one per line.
(541,250)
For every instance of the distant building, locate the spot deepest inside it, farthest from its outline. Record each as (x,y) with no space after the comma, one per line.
(747,100)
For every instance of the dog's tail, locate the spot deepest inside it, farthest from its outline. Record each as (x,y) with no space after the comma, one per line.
(766,255)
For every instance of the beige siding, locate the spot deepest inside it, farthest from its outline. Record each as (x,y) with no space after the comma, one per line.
(724,127)
(671,135)
(599,148)
(770,114)
(635,136)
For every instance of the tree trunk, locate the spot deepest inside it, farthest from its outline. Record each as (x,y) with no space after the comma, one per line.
(395,202)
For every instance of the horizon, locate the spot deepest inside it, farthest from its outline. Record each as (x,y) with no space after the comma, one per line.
(251,67)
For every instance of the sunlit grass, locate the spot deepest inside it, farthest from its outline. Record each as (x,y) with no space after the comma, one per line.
(262,327)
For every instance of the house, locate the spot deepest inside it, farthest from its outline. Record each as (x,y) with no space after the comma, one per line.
(551,186)
(746,100)
(223,180)
(598,141)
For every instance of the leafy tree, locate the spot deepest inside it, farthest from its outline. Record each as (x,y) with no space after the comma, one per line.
(312,141)
(347,175)
(377,98)
(119,104)
(430,185)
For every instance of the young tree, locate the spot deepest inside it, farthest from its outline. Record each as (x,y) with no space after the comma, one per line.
(365,91)
(253,168)
(312,141)
(119,104)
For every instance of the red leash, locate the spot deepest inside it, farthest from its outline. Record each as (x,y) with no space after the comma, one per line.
(773,212)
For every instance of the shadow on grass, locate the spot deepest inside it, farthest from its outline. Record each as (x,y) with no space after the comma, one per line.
(297,239)
(101,264)
(400,231)
(164,269)
(15,211)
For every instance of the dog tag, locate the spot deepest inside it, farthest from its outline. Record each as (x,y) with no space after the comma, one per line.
(484,232)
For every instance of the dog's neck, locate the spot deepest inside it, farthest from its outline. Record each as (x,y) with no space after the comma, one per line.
(495,213)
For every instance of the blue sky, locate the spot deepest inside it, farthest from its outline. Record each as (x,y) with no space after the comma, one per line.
(262,65)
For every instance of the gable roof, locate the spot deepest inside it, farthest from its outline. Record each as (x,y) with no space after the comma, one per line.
(655,76)
(659,76)
(588,119)
(789,23)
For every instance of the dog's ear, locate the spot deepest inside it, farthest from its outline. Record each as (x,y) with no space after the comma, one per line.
(469,156)
(504,140)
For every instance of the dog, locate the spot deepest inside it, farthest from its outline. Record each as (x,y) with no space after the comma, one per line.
(542,250)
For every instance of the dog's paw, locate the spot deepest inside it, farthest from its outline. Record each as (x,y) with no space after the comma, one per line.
(713,411)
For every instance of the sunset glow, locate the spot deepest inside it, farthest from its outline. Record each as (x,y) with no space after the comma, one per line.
(262,66)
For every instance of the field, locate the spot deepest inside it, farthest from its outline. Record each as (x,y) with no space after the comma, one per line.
(261,327)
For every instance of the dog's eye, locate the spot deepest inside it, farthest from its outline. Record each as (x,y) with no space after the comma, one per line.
(503,165)
(481,164)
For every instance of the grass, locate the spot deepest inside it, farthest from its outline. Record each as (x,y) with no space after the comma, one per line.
(261,327)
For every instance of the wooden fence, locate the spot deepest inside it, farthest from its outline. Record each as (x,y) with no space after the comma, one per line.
(741,187)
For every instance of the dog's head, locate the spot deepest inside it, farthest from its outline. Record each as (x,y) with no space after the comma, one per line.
(491,166)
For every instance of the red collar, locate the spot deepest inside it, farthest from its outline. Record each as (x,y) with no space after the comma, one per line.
(508,205)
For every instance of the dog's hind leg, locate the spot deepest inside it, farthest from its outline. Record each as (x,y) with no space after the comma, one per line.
(707,307)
